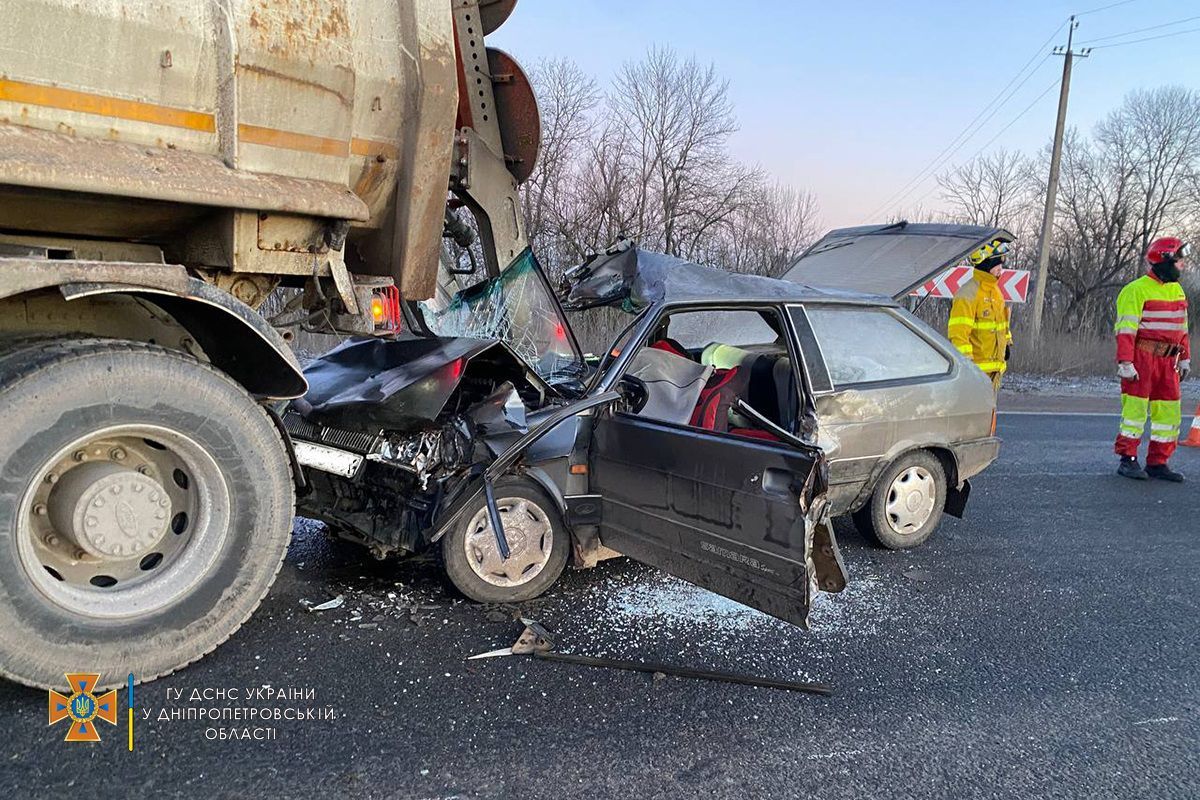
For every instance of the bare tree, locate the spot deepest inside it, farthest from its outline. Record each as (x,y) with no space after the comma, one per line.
(675,120)
(766,235)
(1164,135)
(655,167)
(989,190)
(567,99)
(1132,181)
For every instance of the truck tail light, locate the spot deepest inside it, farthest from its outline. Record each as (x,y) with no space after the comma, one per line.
(385,309)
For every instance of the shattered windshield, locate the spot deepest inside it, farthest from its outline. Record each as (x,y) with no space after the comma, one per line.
(517,308)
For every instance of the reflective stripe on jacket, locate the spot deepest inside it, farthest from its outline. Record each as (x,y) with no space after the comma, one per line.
(979,321)
(1147,308)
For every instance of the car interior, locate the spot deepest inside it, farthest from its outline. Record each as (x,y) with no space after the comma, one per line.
(697,365)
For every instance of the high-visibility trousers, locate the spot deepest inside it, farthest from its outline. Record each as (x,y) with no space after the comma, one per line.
(1155,393)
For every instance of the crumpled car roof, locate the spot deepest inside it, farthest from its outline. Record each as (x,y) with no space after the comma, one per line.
(634,279)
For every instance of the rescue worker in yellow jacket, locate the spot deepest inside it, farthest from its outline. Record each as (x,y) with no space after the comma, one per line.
(979,317)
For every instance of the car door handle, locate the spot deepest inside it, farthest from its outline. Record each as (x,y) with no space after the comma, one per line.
(778,481)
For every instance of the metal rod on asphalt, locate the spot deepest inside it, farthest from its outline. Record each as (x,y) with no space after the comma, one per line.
(687,672)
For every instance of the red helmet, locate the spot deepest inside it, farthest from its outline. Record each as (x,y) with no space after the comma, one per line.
(1167,248)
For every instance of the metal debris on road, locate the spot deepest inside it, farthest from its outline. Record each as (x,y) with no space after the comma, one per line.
(536,641)
(329,605)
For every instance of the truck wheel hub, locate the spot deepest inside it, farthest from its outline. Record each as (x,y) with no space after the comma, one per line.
(110,511)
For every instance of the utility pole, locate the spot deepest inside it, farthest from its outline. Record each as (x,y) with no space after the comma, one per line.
(1043,264)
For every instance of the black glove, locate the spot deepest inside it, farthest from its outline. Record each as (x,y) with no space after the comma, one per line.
(1007,352)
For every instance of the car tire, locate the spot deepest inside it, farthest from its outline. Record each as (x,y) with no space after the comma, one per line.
(161,585)
(538,541)
(906,505)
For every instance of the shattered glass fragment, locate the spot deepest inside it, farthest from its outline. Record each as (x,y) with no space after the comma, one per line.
(518,309)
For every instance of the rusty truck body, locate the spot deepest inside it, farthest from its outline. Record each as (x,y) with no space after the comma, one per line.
(165,166)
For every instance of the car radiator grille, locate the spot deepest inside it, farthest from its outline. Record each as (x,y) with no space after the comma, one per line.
(300,428)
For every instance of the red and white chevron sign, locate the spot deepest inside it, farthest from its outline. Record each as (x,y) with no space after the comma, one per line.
(945,285)
(1014,284)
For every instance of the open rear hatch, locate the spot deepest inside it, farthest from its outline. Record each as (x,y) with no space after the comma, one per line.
(889,260)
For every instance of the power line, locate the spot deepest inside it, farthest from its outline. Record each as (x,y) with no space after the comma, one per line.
(976,124)
(1147,38)
(944,157)
(970,130)
(999,133)
(1105,8)
(1139,30)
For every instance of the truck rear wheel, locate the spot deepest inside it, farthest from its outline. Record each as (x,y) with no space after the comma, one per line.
(146,505)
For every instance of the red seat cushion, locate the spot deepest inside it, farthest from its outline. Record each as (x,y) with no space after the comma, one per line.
(724,387)
(670,346)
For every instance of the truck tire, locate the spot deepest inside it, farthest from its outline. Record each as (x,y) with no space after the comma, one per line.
(538,542)
(906,505)
(146,505)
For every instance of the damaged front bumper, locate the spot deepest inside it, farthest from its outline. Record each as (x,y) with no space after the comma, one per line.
(383,490)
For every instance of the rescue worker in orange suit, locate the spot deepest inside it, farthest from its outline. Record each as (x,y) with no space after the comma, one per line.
(1153,356)
(979,317)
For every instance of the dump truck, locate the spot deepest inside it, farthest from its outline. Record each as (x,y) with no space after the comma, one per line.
(166,166)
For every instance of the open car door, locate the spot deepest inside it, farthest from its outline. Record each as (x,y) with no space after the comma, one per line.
(741,517)
(890,260)
(744,517)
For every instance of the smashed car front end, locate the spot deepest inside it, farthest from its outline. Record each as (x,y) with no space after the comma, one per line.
(391,427)
(380,490)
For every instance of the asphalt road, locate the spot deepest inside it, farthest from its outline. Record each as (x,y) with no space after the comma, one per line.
(1046,646)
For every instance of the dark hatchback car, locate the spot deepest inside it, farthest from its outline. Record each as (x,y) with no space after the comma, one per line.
(515,466)
(487,432)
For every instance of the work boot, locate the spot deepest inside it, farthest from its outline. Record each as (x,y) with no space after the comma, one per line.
(1130,468)
(1163,473)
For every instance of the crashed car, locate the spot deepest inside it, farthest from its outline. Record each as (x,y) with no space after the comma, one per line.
(515,455)
(700,442)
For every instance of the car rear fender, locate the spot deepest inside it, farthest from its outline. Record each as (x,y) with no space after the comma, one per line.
(945,455)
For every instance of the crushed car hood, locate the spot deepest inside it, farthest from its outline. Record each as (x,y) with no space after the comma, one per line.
(406,383)
(888,260)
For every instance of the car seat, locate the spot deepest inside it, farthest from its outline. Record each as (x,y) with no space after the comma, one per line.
(717,397)
(673,347)
(769,385)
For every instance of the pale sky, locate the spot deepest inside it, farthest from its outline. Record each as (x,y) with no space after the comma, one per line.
(852,99)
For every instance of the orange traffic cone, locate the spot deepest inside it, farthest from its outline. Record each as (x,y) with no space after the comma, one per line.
(1193,437)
